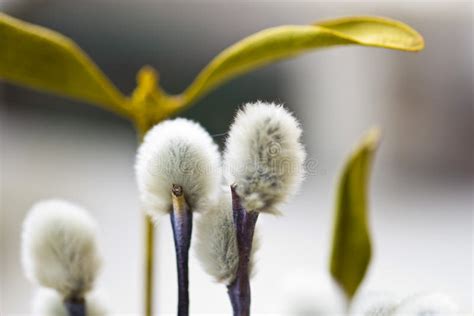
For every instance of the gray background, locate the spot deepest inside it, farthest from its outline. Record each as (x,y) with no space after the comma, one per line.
(421,193)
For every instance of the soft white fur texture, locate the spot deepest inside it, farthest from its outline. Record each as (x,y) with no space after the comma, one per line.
(216,246)
(59,248)
(433,304)
(47,302)
(264,156)
(177,152)
(374,304)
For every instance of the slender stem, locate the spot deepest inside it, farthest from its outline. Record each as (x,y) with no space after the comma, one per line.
(149,240)
(149,269)
(75,306)
(182,223)
(244,223)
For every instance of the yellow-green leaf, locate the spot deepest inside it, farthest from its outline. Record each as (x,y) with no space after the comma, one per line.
(149,102)
(42,59)
(376,31)
(351,249)
(277,43)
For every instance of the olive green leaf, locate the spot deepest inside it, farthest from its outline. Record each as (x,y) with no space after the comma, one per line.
(376,31)
(42,59)
(281,42)
(150,104)
(351,249)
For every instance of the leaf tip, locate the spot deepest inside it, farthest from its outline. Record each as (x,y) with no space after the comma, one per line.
(147,75)
(372,138)
(376,31)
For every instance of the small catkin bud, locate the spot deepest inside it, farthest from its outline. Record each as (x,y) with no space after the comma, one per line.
(59,247)
(216,247)
(433,304)
(374,304)
(264,156)
(47,302)
(178,152)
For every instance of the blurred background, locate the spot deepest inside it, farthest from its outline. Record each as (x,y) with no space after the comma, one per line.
(421,193)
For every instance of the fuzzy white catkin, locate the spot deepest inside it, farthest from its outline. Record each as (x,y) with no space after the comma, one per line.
(374,304)
(47,302)
(177,152)
(216,246)
(317,295)
(433,304)
(59,247)
(264,156)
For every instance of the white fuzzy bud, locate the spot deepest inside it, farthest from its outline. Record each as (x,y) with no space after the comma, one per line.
(216,246)
(374,304)
(59,248)
(264,156)
(177,152)
(47,302)
(434,304)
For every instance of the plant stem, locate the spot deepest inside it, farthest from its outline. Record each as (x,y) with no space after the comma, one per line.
(182,223)
(239,289)
(75,306)
(149,251)
(149,258)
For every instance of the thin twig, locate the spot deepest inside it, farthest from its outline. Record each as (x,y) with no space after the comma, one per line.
(75,306)
(182,223)
(149,269)
(244,223)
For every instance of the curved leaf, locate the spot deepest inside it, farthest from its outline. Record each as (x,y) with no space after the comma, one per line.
(377,32)
(277,43)
(351,249)
(42,59)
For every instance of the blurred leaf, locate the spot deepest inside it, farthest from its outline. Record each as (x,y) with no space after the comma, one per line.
(146,90)
(351,249)
(377,32)
(42,59)
(277,43)
(149,102)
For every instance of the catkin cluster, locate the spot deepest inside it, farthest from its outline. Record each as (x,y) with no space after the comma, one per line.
(263,159)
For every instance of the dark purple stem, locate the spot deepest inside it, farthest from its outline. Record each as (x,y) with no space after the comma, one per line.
(75,306)
(239,289)
(182,223)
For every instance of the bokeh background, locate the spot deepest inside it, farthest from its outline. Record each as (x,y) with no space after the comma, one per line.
(421,193)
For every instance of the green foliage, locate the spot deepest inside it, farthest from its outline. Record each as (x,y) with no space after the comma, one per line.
(39,58)
(42,59)
(281,42)
(376,31)
(351,250)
